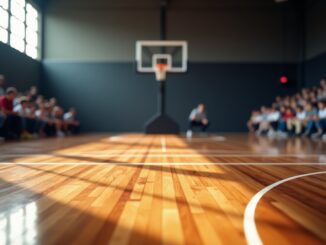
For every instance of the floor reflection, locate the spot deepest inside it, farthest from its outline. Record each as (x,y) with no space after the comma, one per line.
(19,225)
(286,146)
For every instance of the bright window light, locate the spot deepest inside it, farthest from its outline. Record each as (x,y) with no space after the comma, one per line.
(18,10)
(17,43)
(31,11)
(17,27)
(4,4)
(3,18)
(3,35)
(31,51)
(32,23)
(31,37)
(19,2)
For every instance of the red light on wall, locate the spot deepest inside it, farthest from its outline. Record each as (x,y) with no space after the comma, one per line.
(284,79)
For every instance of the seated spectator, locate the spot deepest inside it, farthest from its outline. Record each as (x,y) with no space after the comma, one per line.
(198,118)
(323,88)
(31,116)
(288,117)
(296,124)
(273,121)
(33,93)
(73,125)
(57,119)
(264,125)
(39,101)
(53,103)
(254,121)
(320,122)
(299,114)
(46,124)
(27,114)
(309,121)
(13,123)
(321,95)
(284,122)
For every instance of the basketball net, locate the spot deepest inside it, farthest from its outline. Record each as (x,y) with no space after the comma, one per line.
(160,72)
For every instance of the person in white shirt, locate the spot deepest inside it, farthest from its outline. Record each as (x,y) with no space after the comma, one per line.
(273,117)
(27,113)
(22,109)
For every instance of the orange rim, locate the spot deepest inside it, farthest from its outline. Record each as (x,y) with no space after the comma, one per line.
(161,67)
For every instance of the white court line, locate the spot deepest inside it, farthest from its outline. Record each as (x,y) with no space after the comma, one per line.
(192,150)
(207,139)
(250,228)
(163,144)
(164,164)
(191,154)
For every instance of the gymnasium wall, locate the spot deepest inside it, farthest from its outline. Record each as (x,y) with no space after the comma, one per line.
(20,70)
(238,50)
(316,42)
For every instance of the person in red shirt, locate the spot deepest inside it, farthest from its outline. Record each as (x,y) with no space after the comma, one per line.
(288,114)
(13,123)
(7,101)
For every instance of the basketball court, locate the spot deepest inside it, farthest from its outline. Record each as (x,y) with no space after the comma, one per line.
(163,189)
(162,122)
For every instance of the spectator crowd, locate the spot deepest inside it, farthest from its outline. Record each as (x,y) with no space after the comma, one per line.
(29,115)
(303,114)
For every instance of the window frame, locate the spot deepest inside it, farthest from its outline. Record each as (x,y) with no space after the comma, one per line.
(38,32)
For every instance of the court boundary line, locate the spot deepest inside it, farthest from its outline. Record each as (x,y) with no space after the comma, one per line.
(250,229)
(161,155)
(164,164)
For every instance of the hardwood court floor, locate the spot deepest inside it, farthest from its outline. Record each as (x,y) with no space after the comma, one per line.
(137,189)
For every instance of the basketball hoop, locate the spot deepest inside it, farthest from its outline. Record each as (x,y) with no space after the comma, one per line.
(160,72)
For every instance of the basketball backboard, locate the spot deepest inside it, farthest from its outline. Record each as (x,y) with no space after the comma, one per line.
(174,54)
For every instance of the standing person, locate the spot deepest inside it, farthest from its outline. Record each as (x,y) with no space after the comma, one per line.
(198,118)
(2,84)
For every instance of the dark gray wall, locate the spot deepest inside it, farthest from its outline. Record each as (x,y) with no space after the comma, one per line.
(315,67)
(217,31)
(315,28)
(238,49)
(110,96)
(20,70)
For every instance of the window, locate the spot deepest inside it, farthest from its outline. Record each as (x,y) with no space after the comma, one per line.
(4,17)
(4,4)
(19,26)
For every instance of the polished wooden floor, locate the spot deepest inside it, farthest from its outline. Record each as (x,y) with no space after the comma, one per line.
(137,189)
